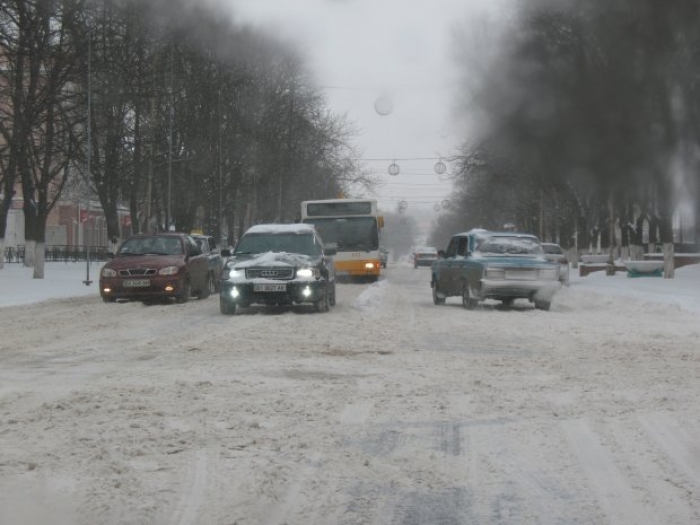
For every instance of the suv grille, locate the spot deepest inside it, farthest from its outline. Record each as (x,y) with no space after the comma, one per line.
(269,273)
(137,272)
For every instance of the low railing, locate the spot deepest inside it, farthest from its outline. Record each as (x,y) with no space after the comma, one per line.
(58,253)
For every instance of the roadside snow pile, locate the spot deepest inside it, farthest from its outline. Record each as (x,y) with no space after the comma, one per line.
(371,298)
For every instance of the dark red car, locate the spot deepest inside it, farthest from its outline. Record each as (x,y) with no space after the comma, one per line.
(156,266)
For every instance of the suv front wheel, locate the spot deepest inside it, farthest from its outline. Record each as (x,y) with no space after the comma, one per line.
(226,307)
(323,304)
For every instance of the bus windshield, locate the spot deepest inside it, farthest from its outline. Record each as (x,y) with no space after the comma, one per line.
(349,233)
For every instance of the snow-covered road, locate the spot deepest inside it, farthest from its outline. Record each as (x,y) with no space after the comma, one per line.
(387,410)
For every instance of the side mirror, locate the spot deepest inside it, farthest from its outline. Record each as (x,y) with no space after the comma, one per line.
(226,253)
(441,254)
(109,255)
(330,249)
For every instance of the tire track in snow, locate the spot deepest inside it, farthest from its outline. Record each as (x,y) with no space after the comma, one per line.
(187,510)
(680,446)
(615,495)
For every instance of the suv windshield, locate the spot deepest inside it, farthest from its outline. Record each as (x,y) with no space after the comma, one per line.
(278,242)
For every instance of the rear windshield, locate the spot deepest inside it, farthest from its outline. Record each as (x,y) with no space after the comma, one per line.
(509,246)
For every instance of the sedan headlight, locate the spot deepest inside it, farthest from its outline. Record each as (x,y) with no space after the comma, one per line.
(306,273)
(495,273)
(168,270)
(108,272)
(234,274)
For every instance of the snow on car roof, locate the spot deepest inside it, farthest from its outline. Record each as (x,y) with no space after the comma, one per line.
(482,232)
(281,228)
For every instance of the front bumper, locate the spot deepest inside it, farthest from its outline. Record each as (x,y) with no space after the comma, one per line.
(158,288)
(297,292)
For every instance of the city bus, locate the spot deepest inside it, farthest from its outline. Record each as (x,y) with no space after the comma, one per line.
(353,225)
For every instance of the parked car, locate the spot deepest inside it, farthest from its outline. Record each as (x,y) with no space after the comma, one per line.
(553,252)
(424,256)
(278,264)
(156,266)
(480,264)
(383,256)
(209,248)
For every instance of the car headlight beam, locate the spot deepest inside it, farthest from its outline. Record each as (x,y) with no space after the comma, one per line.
(305,273)
(235,274)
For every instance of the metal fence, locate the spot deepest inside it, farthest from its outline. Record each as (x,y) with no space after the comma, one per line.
(58,253)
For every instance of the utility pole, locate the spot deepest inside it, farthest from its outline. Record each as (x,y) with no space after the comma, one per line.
(88,175)
(168,214)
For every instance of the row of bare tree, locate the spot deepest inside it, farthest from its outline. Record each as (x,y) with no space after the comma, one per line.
(193,121)
(588,122)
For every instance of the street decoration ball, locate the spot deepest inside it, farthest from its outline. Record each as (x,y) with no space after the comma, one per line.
(383,106)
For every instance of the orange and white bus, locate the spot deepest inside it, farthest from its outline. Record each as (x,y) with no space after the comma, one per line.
(353,225)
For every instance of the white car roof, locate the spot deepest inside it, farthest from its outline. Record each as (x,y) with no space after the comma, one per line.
(281,228)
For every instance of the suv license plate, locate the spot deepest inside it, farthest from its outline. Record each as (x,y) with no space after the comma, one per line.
(136,283)
(270,287)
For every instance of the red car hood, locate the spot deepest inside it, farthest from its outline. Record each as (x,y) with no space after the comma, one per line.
(124,262)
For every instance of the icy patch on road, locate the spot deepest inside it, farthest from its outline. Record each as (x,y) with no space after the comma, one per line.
(371,298)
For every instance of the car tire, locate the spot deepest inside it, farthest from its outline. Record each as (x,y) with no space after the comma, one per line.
(508,301)
(185,293)
(332,299)
(323,304)
(109,299)
(543,305)
(437,300)
(468,301)
(226,307)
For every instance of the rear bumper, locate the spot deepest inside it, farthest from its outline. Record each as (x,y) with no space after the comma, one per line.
(504,289)
(358,268)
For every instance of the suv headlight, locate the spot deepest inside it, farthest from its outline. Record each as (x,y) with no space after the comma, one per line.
(108,272)
(232,273)
(306,273)
(168,270)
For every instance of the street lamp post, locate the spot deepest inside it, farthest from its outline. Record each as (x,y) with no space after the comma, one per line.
(88,175)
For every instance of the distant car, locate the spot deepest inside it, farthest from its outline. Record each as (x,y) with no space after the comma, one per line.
(383,256)
(505,266)
(278,264)
(208,246)
(156,266)
(553,252)
(424,256)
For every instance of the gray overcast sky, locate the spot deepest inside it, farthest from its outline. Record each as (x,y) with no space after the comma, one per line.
(360,50)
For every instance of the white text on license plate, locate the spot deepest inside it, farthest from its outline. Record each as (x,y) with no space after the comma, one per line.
(264,287)
(136,283)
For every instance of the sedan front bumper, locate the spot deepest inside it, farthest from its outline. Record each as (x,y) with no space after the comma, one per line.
(296,292)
